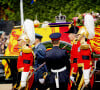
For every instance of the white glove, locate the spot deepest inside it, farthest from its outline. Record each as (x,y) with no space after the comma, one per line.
(72,78)
(42,80)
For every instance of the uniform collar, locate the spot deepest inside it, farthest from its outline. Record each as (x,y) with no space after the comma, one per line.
(54,47)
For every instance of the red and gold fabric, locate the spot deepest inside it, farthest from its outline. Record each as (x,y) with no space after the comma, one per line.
(85,57)
(74,62)
(45,32)
(6,68)
(25,61)
(85,61)
(12,50)
(95,42)
(25,65)
(74,57)
(30,81)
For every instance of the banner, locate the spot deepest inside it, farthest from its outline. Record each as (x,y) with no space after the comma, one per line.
(45,32)
(95,42)
(12,50)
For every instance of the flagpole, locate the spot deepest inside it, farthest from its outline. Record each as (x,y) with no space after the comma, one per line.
(21,12)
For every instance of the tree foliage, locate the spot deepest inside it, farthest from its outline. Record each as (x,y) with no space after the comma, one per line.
(46,10)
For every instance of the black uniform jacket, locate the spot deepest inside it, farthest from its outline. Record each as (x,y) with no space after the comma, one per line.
(57,58)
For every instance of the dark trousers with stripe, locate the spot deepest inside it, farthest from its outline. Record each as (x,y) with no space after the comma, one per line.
(77,79)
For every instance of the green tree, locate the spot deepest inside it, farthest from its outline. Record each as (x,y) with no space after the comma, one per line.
(48,9)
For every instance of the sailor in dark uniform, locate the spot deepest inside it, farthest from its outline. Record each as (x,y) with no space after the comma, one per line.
(40,52)
(58,64)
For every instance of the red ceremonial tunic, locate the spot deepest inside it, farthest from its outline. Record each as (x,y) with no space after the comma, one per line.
(25,60)
(85,57)
(74,57)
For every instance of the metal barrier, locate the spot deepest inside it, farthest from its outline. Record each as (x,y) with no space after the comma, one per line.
(8,57)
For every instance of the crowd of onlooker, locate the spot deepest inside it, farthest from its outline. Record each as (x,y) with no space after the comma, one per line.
(4,40)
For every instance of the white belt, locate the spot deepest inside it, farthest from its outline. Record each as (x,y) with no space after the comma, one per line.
(57,76)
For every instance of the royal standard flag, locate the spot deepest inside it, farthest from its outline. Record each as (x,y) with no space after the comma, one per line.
(95,42)
(6,68)
(12,50)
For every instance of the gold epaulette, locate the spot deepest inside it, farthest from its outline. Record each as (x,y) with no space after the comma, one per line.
(26,49)
(84,46)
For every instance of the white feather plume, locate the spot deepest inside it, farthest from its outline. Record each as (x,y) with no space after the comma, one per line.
(89,24)
(29,29)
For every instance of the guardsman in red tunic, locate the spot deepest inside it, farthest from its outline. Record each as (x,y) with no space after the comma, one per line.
(74,53)
(26,57)
(86,33)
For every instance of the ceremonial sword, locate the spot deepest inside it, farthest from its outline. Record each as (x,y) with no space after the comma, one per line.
(36,70)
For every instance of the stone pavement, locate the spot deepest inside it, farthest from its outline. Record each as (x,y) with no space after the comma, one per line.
(5,86)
